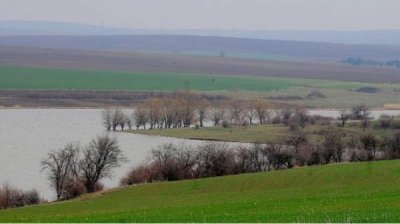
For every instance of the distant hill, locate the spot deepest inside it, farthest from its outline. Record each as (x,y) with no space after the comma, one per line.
(253,48)
(387,37)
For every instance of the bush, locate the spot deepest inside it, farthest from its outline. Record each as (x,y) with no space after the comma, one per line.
(214,159)
(306,154)
(392,146)
(146,173)
(385,122)
(14,198)
(73,189)
(31,197)
(370,144)
(226,124)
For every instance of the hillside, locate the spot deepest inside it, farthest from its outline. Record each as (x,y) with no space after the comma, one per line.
(356,192)
(209,45)
(390,37)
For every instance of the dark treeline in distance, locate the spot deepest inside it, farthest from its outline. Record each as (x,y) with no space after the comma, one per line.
(361,61)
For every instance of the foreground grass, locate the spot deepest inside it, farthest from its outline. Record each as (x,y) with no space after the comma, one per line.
(44,78)
(356,192)
(253,133)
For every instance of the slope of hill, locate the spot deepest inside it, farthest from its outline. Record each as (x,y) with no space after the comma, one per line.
(355,192)
(185,64)
(203,44)
(386,37)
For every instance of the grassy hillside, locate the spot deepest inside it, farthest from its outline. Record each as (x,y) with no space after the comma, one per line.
(254,133)
(357,192)
(45,78)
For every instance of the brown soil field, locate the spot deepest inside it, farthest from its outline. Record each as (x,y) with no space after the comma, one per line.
(82,98)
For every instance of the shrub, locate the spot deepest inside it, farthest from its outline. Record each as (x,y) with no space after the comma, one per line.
(213,159)
(226,124)
(145,173)
(73,189)
(385,122)
(13,198)
(370,144)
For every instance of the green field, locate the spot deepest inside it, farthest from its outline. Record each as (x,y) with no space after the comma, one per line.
(252,134)
(44,78)
(353,192)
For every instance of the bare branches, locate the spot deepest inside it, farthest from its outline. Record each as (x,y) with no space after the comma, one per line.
(99,158)
(69,170)
(60,167)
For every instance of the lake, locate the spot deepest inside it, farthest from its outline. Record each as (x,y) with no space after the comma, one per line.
(27,135)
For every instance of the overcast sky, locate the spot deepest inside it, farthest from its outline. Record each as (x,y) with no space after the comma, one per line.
(212,14)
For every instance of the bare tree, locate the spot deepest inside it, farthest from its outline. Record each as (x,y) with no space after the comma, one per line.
(7,196)
(251,111)
(365,117)
(214,160)
(286,113)
(117,119)
(128,121)
(370,144)
(170,112)
(188,112)
(202,108)
(140,117)
(361,112)
(333,144)
(386,121)
(99,158)
(107,116)
(392,144)
(296,139)
(11,197)
(236,110)
(217,115)
(261,107)
(60,167)
(174,162)
(155,115)
(301,116)
(344,116)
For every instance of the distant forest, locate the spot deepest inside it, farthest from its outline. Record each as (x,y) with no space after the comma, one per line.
(361,61)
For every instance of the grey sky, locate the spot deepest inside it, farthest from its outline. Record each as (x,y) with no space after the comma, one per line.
(212,14)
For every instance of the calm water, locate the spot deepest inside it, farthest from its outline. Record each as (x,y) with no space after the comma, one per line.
(27,135)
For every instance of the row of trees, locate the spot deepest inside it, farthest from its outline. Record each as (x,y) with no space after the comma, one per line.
(171,162)
(73,170)
(186,109)
(14,198)
(189,110)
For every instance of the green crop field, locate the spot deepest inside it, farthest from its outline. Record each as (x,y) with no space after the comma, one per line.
(44,78)
(352,192)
